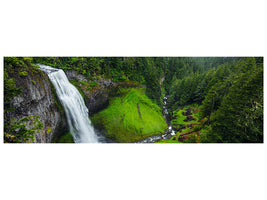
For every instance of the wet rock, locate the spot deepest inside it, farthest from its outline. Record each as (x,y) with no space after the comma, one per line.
(37,99)
(97,99)
(152,139)
(74,75)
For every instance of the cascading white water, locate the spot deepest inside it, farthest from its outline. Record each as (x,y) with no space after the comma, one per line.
(73,103)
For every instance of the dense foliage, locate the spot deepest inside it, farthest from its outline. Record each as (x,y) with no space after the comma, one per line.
(17,130)
(144,70)
(238,117)
(231,99)
(226,93)
(10,90)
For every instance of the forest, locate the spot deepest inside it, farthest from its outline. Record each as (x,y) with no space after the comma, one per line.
(209,99)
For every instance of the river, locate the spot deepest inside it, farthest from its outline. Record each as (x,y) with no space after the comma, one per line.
(169,132)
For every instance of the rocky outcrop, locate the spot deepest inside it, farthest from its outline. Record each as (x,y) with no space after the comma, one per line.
(38,99)
(97,97)
(74,75)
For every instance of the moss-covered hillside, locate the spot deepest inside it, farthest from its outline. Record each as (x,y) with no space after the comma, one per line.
(130,117)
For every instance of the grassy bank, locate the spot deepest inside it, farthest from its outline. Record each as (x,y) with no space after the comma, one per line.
(188,125)
(130,117)
(185,116)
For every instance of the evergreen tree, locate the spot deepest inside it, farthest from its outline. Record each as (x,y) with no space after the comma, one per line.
(240,116)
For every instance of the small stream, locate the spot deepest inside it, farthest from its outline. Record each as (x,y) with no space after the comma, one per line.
(169,132)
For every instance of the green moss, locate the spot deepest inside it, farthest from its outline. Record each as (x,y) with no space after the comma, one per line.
(85,85)
(35,68)
(67,138)
(82,82)
(33,82)
(119,77)
(123,122)
(95,77)
(23,74)
(94,83)
(16,131)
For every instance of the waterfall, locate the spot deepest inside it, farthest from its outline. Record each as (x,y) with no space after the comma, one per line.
(74,106)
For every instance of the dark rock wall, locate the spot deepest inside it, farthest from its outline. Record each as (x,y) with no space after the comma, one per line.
(97,98)
(37,99)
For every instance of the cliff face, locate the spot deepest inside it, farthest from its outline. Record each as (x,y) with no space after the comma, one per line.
(97,97)
(37,99)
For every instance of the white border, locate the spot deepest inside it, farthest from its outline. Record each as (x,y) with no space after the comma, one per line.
(132,28)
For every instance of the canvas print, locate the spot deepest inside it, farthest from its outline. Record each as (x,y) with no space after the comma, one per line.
(133,100)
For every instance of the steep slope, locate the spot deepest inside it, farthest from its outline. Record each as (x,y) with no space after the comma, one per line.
(130,117)
(36,98)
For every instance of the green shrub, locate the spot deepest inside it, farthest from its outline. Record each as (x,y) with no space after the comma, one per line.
(83,82)
(17,132)
(10,91)
(23,74)
(197,128)
(27,60)
(94,83)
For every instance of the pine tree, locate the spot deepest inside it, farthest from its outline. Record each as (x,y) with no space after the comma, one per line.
(240,116)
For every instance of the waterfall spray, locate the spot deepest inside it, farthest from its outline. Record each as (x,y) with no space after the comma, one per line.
(74,106)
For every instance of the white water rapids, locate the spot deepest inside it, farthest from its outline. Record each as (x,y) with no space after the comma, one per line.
(73,103)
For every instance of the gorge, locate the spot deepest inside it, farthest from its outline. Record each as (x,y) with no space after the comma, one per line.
(127,102)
